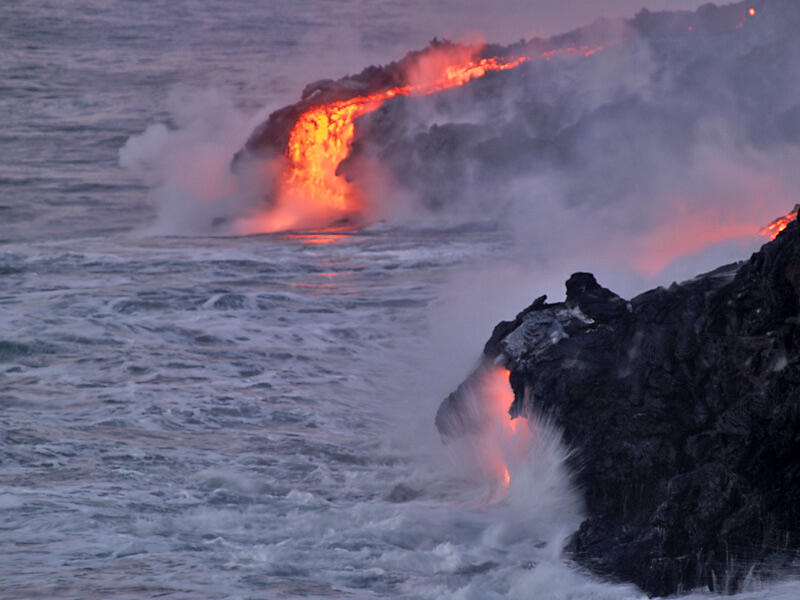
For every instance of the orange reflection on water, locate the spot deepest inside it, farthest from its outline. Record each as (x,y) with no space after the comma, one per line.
(322,237)
(315,239)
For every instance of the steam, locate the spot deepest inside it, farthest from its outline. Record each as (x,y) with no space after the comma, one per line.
(518,467)
(647,162)
(710,214)
(429,68)
(186,165)
(531,511)
(633,160)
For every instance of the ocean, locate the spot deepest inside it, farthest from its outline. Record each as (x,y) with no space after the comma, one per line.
(193,415)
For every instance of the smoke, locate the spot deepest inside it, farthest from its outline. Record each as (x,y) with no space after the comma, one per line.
(430,67)
(709,214)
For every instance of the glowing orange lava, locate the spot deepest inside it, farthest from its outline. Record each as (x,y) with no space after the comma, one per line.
(310,188)
(510,437)
(320,141)
(752,12)
(310,192)
(773,229)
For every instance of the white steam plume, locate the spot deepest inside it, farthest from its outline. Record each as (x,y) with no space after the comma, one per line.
(187,164)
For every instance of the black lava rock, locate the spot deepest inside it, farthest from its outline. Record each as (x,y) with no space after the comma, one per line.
(683,406)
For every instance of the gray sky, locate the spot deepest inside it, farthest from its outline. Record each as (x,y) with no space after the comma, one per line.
(509,20)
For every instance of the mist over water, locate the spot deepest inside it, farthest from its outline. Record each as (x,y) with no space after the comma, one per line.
(190,412)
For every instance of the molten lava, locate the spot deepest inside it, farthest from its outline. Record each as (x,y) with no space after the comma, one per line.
(310,192)
(322,137)
(319,142)
(773,229)
(507,440)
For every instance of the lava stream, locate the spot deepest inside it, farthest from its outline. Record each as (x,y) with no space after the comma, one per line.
(310,191)
(507,441)
(774,229)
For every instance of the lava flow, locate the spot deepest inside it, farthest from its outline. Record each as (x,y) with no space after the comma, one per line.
(507,441)
(309,190)
(774,229)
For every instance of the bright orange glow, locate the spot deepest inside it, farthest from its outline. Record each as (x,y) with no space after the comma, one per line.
(774,229)
(310,188)
(509,438)
(683,237)
(315,239)
(310,192)
(693,224)
(752,12)
(320,141)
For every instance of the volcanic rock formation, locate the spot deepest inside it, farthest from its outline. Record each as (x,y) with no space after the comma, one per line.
(683,407)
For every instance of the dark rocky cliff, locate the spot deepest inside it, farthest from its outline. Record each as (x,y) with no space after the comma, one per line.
(683,405)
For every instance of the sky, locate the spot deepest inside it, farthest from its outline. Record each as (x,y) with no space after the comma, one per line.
(506,21)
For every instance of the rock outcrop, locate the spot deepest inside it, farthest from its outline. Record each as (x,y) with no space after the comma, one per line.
(683,406)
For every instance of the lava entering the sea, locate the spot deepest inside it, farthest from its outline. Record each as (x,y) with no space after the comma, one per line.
(507,440)
(309,189)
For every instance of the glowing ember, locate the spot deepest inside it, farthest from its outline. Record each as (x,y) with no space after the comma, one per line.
(774,229)
(751,12)
(319,142)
